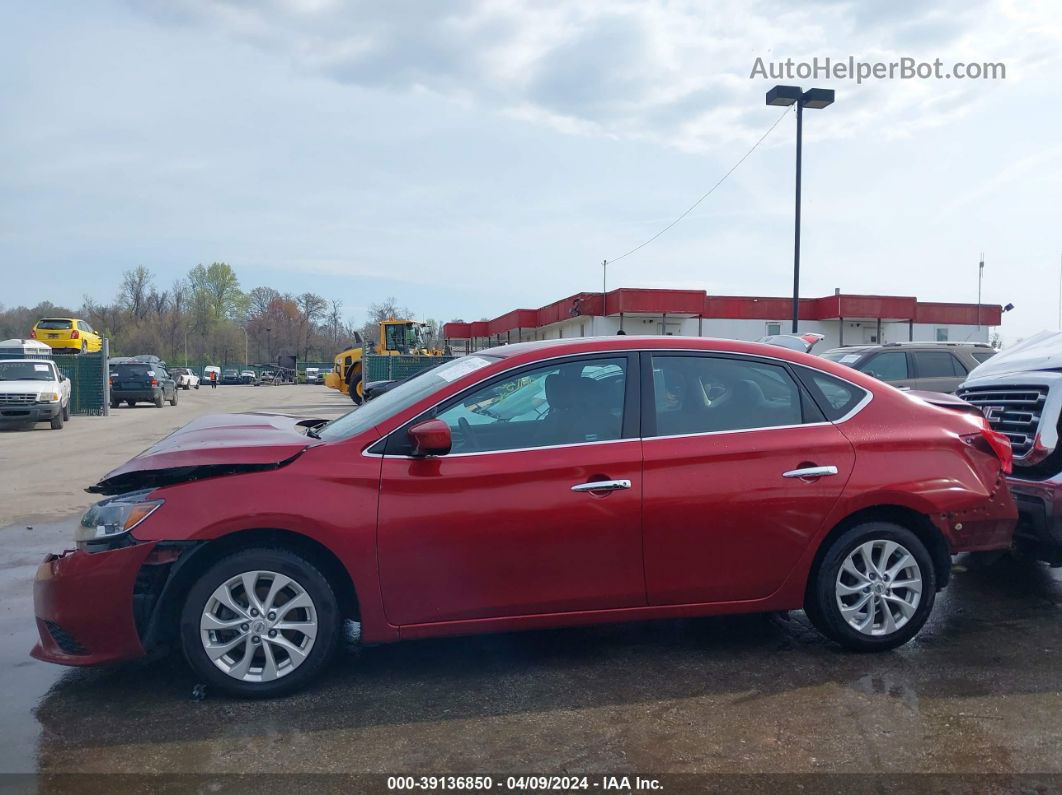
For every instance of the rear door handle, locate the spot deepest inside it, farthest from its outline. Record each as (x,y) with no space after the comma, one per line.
(810,472)
(603,485)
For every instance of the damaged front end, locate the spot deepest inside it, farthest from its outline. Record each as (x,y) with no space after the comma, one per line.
(140,479)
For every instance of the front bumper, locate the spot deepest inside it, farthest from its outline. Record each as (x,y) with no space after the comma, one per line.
(1039,517)
(31,412)
(84,606)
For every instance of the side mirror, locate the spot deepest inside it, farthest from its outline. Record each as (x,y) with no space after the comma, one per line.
(431,437)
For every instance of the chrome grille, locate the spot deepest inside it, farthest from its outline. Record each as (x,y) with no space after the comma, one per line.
(1012,410)
(17,399)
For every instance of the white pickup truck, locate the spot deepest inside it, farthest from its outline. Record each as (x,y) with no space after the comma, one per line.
(33,390)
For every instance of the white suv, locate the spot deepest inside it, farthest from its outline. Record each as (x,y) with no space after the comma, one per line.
(33,390)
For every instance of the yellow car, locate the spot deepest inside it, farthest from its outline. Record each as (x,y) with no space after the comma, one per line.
(67,335)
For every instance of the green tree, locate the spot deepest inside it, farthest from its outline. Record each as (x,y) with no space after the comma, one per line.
(218,288)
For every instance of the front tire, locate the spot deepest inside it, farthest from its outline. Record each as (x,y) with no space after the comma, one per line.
(354,386)
(260,623)
(874,589)
(66,413)
(57,421)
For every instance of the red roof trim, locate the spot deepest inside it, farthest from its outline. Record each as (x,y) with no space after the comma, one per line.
(697,303)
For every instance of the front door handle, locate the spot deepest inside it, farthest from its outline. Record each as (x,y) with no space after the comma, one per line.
(810,472)
(603,485)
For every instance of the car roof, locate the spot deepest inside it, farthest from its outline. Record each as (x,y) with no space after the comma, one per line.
(907,346)
(625,342)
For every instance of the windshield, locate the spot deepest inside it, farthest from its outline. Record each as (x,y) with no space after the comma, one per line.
(843,357)
(401,397)
(26,371)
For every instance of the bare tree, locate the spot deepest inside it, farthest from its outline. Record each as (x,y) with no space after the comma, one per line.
(135,289)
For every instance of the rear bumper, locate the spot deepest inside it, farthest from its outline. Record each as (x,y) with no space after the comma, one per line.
(84,606)
(36,412)
(139,395)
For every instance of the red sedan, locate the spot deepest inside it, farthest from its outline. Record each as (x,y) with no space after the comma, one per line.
(535,485)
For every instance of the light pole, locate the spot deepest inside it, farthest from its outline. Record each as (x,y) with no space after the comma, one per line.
(246,355)
(814,98)
(269,345)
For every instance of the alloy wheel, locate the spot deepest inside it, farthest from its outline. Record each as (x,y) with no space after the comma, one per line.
(258,626)
(878,587)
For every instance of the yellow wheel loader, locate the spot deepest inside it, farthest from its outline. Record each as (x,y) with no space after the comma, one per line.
(395,338)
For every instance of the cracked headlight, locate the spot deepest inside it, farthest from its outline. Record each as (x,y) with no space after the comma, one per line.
(115,516)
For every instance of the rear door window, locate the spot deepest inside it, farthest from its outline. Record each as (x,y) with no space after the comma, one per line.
(937,364)
(707,394)
(888,366)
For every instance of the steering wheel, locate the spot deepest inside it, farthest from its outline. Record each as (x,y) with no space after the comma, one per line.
(467,433)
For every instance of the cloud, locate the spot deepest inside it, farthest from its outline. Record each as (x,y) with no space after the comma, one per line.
(675,73)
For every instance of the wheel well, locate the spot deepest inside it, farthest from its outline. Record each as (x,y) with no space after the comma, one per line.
(192,563)
(917,523)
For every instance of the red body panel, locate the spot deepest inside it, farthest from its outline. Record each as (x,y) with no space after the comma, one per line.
(482,542)
(494,535)
(721,523)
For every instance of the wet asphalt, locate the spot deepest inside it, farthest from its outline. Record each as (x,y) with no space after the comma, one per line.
(978,692)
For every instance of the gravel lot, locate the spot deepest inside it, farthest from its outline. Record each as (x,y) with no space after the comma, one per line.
(978,694)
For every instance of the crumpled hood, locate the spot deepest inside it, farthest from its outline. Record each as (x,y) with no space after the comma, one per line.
(214,445)
(1041,351)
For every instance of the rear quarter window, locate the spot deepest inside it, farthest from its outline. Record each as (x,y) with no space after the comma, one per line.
(835,397)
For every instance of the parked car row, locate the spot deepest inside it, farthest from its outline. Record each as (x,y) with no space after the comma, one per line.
(534,485)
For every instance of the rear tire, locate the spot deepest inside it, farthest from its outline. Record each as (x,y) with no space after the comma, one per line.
(293,656)
(173,400)
(115,404)
(158,400)
(876,604)
(130,403)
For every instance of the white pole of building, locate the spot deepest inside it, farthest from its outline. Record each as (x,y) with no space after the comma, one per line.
(1060,292)
(980,276)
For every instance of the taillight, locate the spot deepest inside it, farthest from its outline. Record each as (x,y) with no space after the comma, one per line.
(74,334)
(154,382)
(1000,445)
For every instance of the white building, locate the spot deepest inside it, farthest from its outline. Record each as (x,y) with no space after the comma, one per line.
(843,319)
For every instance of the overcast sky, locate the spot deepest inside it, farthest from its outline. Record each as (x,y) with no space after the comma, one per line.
(474,157)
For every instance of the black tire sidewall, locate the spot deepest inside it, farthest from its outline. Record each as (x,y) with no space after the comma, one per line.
(352,387)
(822,609)
(265,559)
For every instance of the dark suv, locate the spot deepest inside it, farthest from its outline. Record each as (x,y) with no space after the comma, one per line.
(932,366)
(141,382)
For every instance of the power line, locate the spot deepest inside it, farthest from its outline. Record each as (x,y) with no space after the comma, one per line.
(711,190)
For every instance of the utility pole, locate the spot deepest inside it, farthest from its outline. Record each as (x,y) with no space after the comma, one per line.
(604,289)
(1060,292)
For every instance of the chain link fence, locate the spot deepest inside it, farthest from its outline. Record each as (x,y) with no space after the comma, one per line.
(394,368)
